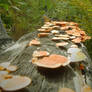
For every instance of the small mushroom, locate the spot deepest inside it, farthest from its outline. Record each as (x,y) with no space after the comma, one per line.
(5,64)
(37,54)
(15,83)
(43,34)
(1,68)
(61,44)
(76,55)
(54,31)
(74,46)
(52,61)
(34,42)
(72,37)
(56,38)
(11,68)
(73,50)
(41,30)
(65,36)
(76,40)
(66,90)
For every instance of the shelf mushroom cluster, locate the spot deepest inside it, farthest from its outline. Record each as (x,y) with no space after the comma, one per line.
(10,82)
(61,33)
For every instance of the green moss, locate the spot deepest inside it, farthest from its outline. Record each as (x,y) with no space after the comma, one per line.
(23,16)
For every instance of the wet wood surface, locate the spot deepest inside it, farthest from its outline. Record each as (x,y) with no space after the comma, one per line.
(46,80)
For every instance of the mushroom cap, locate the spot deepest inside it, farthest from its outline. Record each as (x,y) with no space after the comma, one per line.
(12,68)
(76,55)
(5,64)
(2,74)
(54,31)
(76,40)
(56,38)
(73,50)
(74,46)
(15,83)
(66,90)
(61,44)
(34,42)
(40,53)
(52,61)
(60,35)
(43,34)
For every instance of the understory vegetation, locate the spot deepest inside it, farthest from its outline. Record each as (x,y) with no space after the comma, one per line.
(23,16)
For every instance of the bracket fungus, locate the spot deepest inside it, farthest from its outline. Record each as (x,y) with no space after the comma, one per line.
(37,54)
(66,90)
(11,68)
(43,34)
(15,83)
(54,31)
(76,55)
(52,61)
(76,40)
(8,67)
(4,64)
(61,44)
(34,42)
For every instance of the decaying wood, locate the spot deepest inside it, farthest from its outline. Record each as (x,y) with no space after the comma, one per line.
(46,80)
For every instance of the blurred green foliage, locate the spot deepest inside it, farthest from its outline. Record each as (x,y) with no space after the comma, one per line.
(23,16)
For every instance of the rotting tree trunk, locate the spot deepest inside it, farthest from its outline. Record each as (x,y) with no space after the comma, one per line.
(46,80)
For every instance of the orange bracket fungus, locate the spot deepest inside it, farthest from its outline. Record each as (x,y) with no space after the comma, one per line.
(76,40)
(43,34)
(34,42)
(40,54)
(66,90)
(52,61)
(61,44)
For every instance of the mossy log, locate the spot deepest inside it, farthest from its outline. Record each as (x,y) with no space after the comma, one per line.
(46,80)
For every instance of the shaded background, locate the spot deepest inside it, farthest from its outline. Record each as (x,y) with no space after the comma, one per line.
(23,16)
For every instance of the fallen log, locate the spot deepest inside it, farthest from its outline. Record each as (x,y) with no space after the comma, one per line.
(48,79)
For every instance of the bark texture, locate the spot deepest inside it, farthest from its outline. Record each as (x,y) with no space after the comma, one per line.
(46,80)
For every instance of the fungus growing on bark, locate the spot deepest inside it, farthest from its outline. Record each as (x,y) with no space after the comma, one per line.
(11,68)
(54,31)
(74,46)
(66,90)
(56,39)
(43,34)
(40,54)
(15,83)
(5,64)
(52,61)
(60,35)
(34,42)
(76,55)
(76,40)
(61,44)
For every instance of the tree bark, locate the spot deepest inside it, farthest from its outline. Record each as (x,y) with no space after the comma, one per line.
(46,80)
